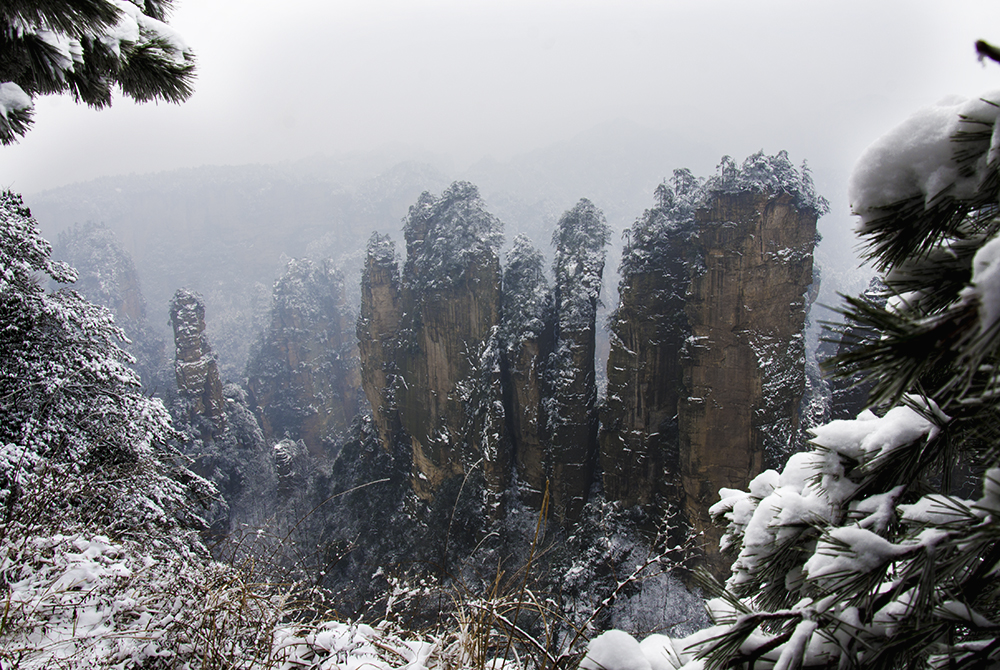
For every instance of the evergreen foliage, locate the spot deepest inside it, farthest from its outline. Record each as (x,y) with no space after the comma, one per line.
(579,239)
(527,299)
(69,400)
(447,234)
(879,548)
(768,174)
(85,48)
(655,243)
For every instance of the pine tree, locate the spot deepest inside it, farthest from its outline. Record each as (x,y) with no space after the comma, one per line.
(86,48)
(880,547)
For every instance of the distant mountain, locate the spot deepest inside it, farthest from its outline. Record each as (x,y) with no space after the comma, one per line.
(225,231)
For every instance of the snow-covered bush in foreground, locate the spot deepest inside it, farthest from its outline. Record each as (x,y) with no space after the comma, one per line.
(880,547)
(100,560)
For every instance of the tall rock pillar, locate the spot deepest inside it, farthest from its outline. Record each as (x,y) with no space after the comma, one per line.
(707,366)
(431,359)
(196,369)
(378,331)
(744,367)
(580,239)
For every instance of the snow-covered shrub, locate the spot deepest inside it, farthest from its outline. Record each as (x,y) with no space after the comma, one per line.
(76,599)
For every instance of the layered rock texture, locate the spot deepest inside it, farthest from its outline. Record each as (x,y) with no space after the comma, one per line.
(303,375)
(707,366)
(196,369)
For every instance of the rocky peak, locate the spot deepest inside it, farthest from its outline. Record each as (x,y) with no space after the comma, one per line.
(303,377)
(707,366)
(195,366)
(431,365)
(378,328)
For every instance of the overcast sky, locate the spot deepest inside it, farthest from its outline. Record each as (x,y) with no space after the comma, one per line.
(470,78)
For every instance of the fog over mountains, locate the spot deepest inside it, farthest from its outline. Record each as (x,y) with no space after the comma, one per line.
(227,231)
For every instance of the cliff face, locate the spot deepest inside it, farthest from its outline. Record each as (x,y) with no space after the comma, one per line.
(743,372)
(303,377)
(639,456)
(453,374)
(195,367)
(430,356)
(378,330)
(707,366)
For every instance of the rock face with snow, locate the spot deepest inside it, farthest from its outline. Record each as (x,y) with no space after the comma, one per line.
(195,367)
(478,379)
(377,330)
(706,372)
(527,338)
(744,376)
(431,365)
(303,376)
(580,239)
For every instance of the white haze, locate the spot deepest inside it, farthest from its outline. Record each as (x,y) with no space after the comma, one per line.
(468,79)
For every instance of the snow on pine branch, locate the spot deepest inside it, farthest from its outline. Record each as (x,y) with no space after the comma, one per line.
(85,49)
(925,158)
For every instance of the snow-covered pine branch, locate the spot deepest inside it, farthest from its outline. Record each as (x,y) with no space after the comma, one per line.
(86,48)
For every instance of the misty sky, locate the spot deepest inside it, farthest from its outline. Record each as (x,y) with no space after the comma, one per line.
(471,78)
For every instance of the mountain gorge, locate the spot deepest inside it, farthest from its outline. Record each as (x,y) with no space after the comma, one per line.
(429,423)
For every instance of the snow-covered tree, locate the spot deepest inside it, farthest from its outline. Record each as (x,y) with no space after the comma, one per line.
(86,48)
(526,295)
(880,547)
(69,401)
(106,275)
(579,240)
(446,235)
